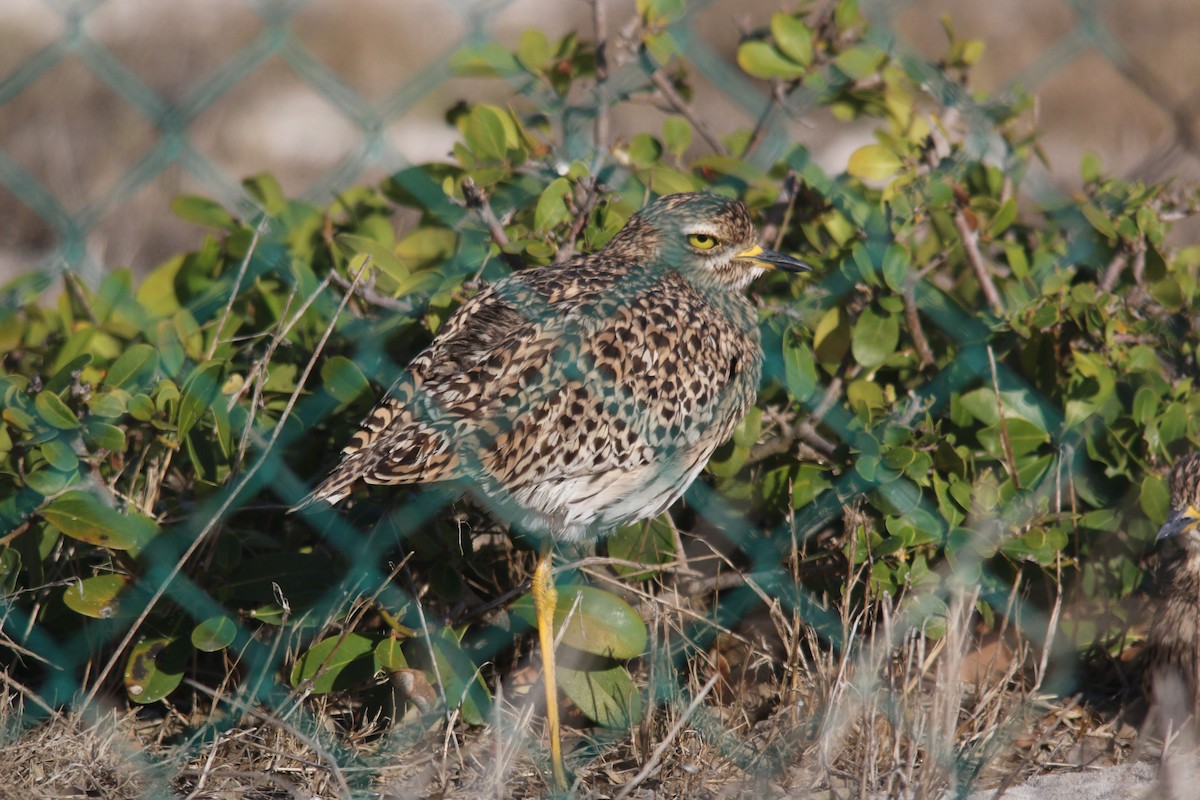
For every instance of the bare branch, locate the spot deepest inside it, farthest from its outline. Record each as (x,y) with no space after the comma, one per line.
(406,306)
(663,84)
(970,240)
(669,739)
(236,288)
(1112,272)
(913,316)
(600,28)
(591,196)
(477,199)
(1010,459)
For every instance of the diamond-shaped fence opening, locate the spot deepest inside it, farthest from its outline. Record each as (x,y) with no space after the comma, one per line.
(312,609)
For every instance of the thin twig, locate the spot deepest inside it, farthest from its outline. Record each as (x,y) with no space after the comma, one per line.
(764,121)
(28,694)
(780,212)
(591,188)
(1113,271)
(477,199)
(669,739)
(912,316)
(663,84)
(407,306)
(600,31)
(1009,458)
(75,289)
(232,496)
(259,376)
(235,289)
(970,240)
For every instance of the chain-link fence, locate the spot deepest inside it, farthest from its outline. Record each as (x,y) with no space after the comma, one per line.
(297,634)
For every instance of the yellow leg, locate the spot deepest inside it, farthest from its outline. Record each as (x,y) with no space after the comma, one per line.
(545,599)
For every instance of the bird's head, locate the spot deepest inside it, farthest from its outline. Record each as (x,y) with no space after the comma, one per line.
(705,237)
(1183,523)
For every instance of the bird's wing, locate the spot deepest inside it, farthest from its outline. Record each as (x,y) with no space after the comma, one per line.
(541,378)
(465,395)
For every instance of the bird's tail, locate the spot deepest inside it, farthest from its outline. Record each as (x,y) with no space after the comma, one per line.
(332,490)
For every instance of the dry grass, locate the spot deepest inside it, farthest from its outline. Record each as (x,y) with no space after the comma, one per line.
(766,710)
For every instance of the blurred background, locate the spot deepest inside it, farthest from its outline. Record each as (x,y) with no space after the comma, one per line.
(110,108)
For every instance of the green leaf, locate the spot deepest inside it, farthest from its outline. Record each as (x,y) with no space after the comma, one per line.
(608,697)
(213,634)
(677,135)
(336,663)
(104,436)
(19,419)
(82,516)
(486,60)
(875,337)
(1154,499)
(1145,405)
(552,205)
(664,180)
(47,481)
(427,246)
(763,61)
(831,337)
(109,404)
(650,541)
(132,367)
(793,38)
(96,597)
(861,61)
(461,682)
(202,211)
(264,188)
(155,668)
(55,412)
(382,257)
(644,150)
(59,455)
(141,408)
(201,388)
(1099,220)
(984,406)
(66,374)
(895,268)
(533,49)
(389,656)
(342,379)
(1023,436)
(1003,218)
(485,132)
(874,162)
(602,624)
(799,368)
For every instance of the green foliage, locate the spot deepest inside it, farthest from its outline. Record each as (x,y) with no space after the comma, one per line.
(1001,384)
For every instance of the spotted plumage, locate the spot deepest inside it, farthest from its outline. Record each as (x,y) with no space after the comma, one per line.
(573,399)
(1173,646)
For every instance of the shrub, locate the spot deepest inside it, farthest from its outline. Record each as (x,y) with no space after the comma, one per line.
(984,389)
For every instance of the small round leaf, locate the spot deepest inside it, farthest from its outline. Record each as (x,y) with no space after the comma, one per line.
(155,667)
(96,597)
(213,634)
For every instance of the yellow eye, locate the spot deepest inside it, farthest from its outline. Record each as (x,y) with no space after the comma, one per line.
(702,241)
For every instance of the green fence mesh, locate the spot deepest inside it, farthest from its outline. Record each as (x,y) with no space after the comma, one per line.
(362,546)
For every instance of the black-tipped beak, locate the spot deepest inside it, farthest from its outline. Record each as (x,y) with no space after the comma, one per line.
(1171,527)
(770,259)
(1179,520)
